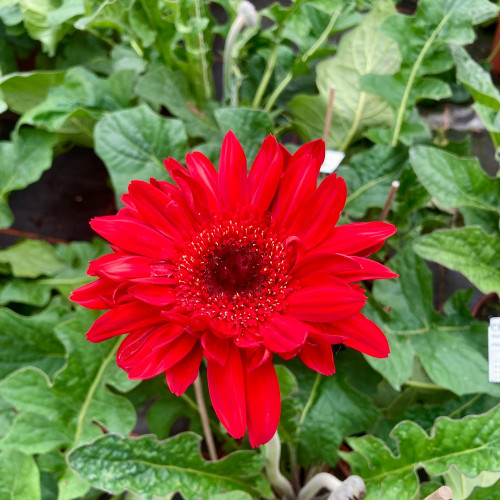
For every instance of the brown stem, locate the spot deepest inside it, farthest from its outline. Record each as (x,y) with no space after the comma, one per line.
(390,199)
(34,236)
(209,439)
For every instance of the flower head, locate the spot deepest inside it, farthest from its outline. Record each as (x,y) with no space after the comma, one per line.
(235,268)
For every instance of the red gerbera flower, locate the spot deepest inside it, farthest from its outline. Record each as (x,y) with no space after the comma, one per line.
(235,268)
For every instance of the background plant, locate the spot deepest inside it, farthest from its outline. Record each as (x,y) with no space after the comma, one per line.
(133,80)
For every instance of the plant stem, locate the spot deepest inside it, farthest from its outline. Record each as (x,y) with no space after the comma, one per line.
(413,75)
(279,482)
(304,58)
(318,482)
(209,439)
(234,30)
(203,51)
(465,405)
(271,62)
(389,200)
(423,385)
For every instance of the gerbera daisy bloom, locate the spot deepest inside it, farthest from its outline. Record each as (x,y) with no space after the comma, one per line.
(235,268)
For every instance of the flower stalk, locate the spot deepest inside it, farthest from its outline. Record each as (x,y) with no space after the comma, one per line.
(202,408)
(247,17)
(280,483)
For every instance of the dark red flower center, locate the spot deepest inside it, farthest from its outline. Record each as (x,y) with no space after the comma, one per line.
(236,270)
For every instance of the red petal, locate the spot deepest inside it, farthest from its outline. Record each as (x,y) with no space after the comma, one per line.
(330,302)
(359,238)
(296,188)
(287,157)
(226,385)
(256,357)
(133,236)
(184,373)
(204,172)
(194,192)
(263,403)
(152,202)
(318,357)
(283,334)
(215,349)
(324,332)
(265,175)
(139,344)
(369,270)
(124,319)
(233,183)
(117,266)
(324,210)
(156,356)
(156,295)
(95,295)
(363,335)
(325,263)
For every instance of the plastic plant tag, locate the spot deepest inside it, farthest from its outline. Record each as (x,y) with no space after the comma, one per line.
(494,349)
(332,161)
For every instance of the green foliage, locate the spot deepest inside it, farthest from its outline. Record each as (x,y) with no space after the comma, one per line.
(133,143)
(133,79)
(20,478)
(115,463)
(362,51)
(454,248)
(471,445)
(22,162)
(76,405)
(453,181)
(436,24)
(443,344)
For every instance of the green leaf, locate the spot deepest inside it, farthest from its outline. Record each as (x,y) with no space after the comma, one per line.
(414,328)
(468,250)
(163,86)
(423,40)
(476,79)
(491,120)
(454,181)
(462,486)
(133,143)
(331,410)
(115,463)
(31,259)
(45,20)
(251,126)
(369,176)
(20,479)
(442,350)
(22,91)
(363,50)
(74,106)
(73,273)
(30,340)
(490,493)
(483,90)
(472,445)
(22,162)
(64,412)
(164,412)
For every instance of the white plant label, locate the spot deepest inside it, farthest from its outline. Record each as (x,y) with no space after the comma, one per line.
(494,349)
(332,161)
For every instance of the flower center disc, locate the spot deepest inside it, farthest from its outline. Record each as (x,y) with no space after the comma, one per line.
(236,270)
(233,269)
